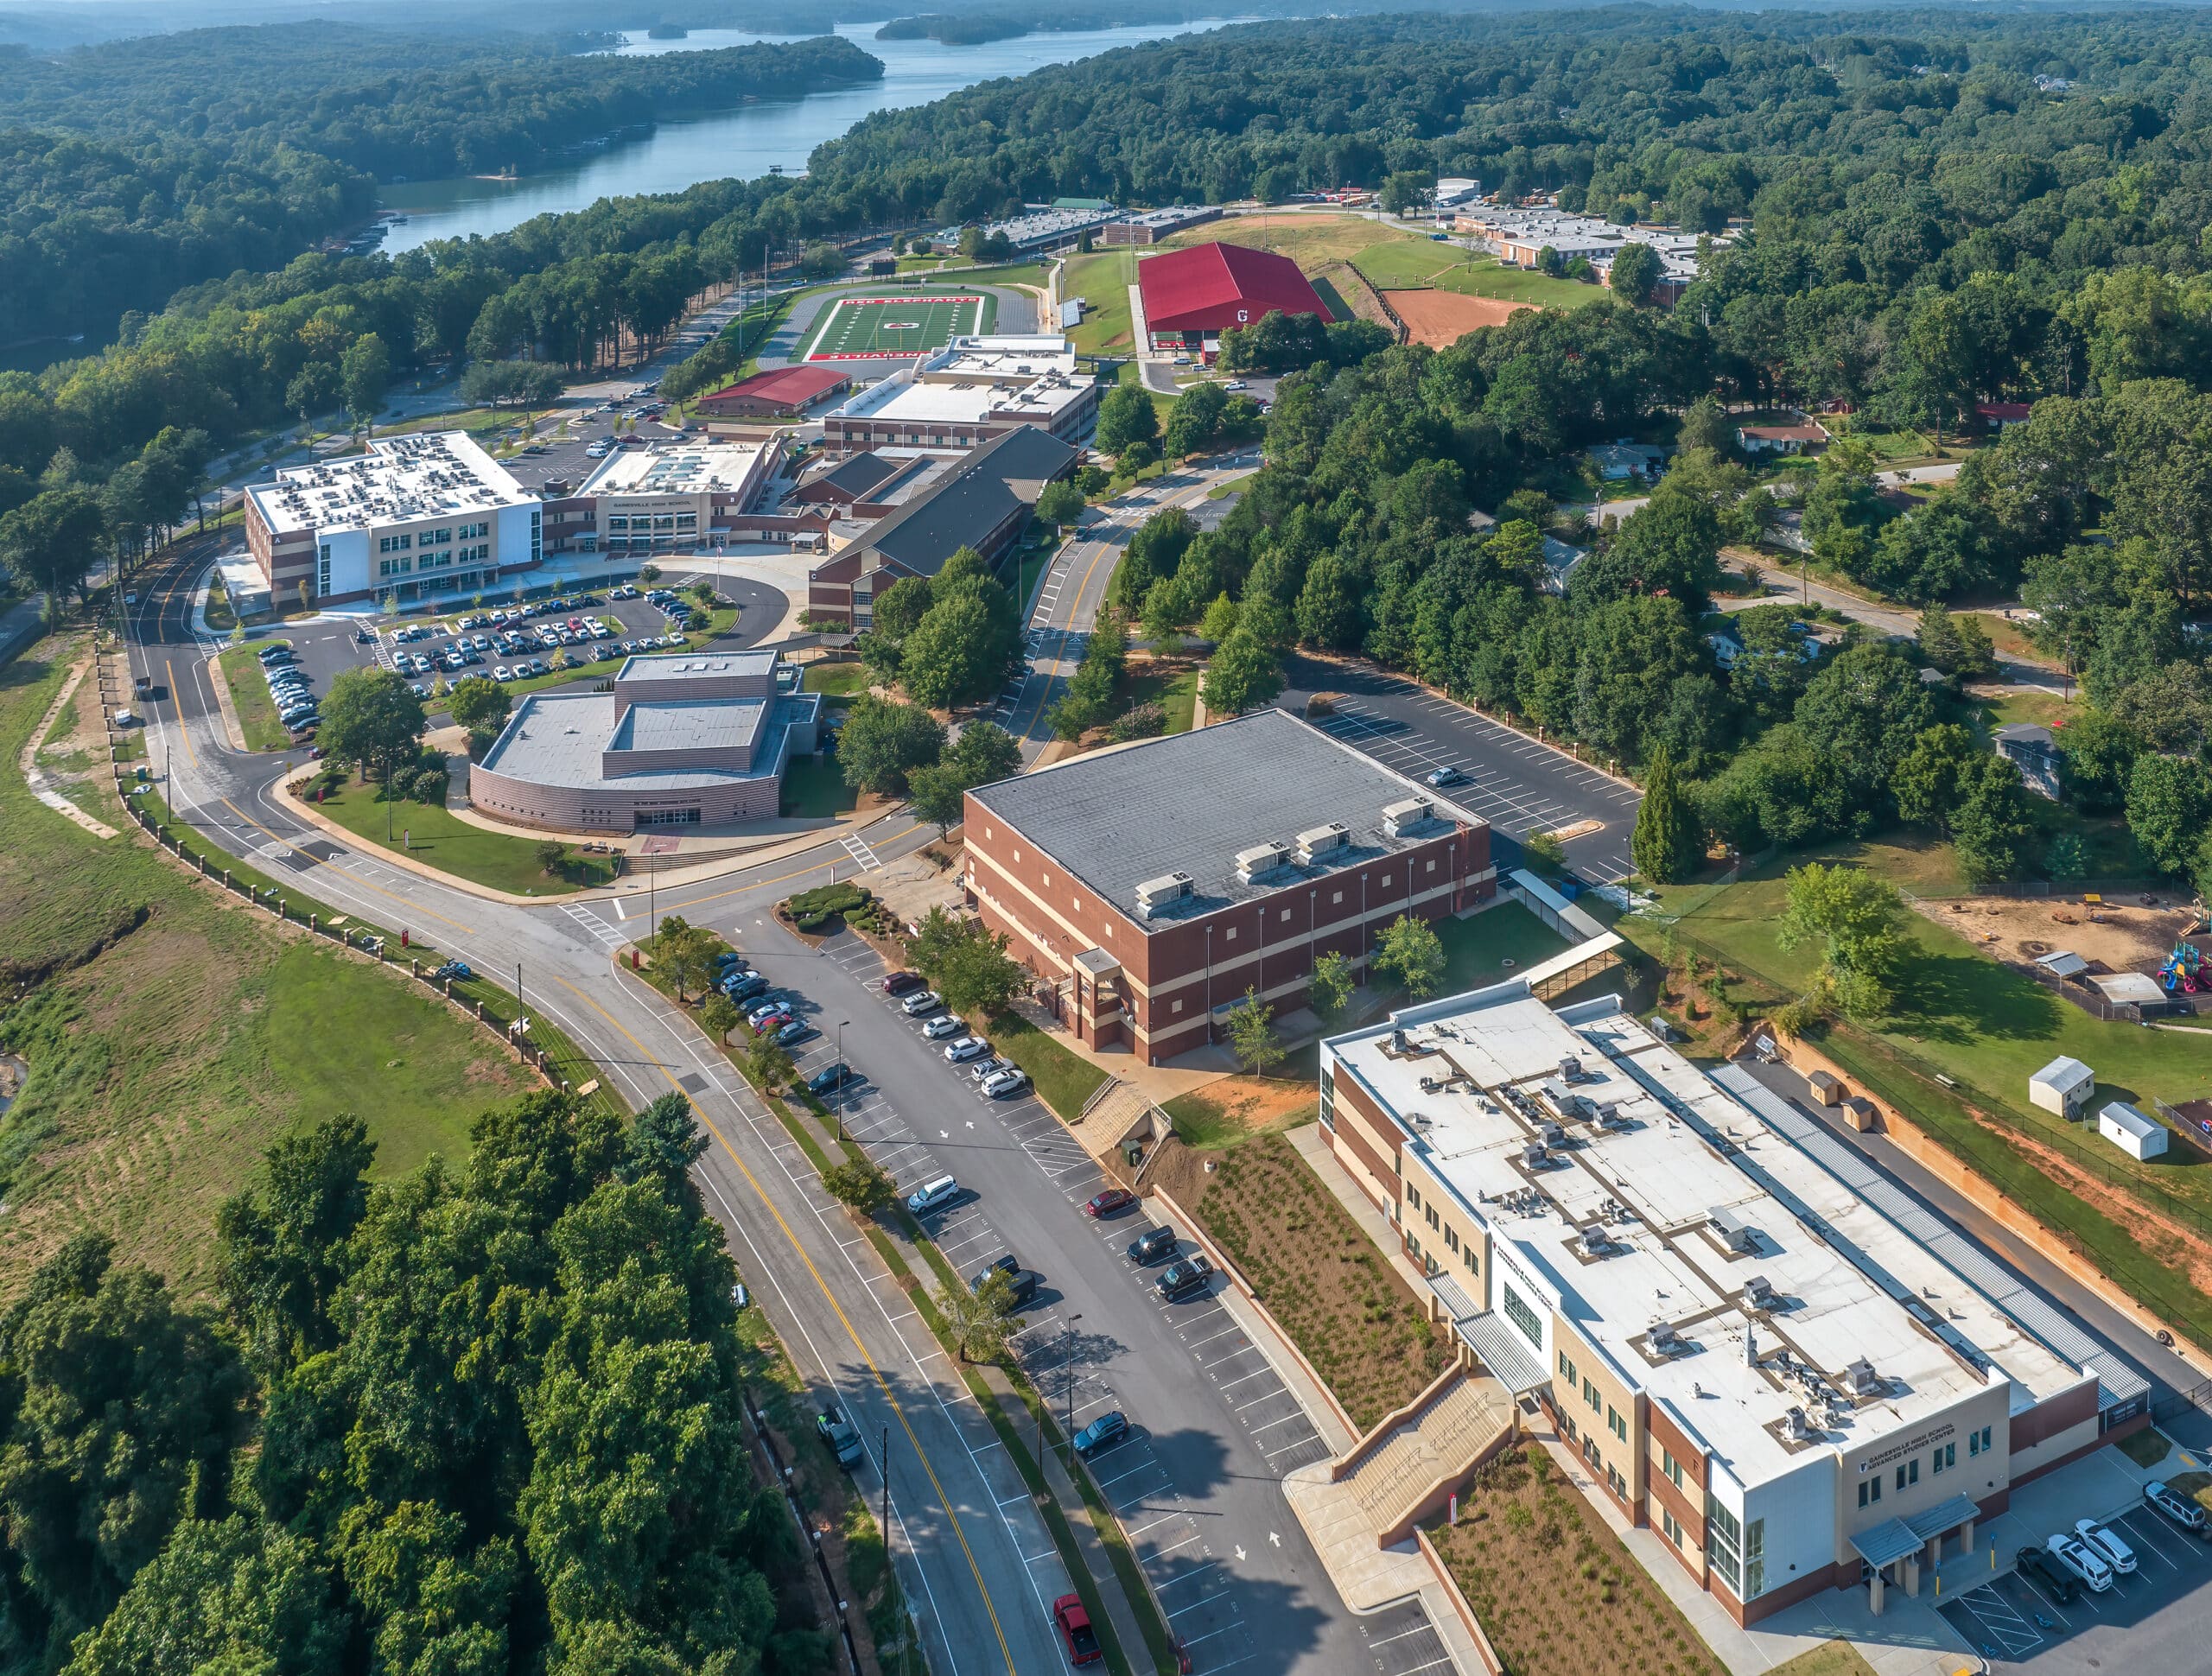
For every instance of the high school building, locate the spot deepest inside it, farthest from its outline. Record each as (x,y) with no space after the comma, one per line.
(1154,883)
(1797,1376)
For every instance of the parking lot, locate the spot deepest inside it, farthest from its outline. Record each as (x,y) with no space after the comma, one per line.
(2151,1619)
(1518,785)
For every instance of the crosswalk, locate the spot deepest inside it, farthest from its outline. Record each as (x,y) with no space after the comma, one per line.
(856,847)
(593,923)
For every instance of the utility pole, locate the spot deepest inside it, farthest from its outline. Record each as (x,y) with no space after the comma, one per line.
(1069,1361)
(840,1089)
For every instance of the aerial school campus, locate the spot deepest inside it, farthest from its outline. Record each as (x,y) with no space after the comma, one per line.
(1317,908)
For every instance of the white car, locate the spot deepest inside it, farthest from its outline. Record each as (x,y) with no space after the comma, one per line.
(921,1001)
(968,1047)
(944,1026)
(933,1195)
(501,672)
(2070,1552)
(1000,1084)
(126,717)
(2106,1543)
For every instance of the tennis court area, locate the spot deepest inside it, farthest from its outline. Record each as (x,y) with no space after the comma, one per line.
(888,328)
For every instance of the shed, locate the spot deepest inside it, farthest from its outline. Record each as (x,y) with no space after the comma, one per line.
(1828,1087)
(2063,1086)
(2064,963)
(2130,989)
(2138,1136)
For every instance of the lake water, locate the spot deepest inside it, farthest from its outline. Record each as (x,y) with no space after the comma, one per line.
(740,143)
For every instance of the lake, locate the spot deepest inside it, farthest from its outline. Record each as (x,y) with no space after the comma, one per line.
(742,143)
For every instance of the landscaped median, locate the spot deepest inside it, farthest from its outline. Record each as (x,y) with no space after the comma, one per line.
(248,683)
(434,836)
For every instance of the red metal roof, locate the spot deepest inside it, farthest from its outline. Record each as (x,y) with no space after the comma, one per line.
(785,387)
(1214,286)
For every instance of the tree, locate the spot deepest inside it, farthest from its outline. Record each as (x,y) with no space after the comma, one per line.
(1635,275)
(664,1141)
(1544,854)
(1220,620)
(976,976)
(1126,415)
(372,720)
(862,1186)
(767,1063)
(1993,830)
(496,384)
(979,1320)
(550,854)
(1195,421)
(1241,675)
(2098,753)
(822,260)
(366,373)
(50,541)
(1411,951)
(883,742)
(315,388)
(1851,918)
(719,1016)
(1706,428)
(2168,799)
(478,703)
(961,650)
(1060,503)
(984,753)
(1935,776)
(1957,645)
(1667,845)
(1250,1026)
(282,1248)
(1669,545)
(686,953)
(1328,992)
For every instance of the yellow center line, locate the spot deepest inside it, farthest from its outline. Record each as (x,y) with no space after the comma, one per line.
(889,1396)
(1022,731)
(763,884)
(357,884)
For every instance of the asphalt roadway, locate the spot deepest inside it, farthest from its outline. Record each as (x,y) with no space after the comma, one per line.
(976,1560)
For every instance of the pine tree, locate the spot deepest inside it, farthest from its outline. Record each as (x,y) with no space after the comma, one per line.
(1666,846)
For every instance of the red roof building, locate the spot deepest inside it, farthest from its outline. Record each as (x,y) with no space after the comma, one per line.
(1193,294)
(769,394)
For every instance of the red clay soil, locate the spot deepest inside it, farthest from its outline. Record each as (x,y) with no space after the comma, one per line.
(1440,319)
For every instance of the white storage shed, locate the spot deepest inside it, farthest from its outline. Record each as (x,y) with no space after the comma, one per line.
(2063,1086)
(2138,1136)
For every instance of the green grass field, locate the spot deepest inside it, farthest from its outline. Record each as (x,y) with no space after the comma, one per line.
(888,326)
(1102,281)
(242,673)
(1486,278)
(440,839)
(178,1035)
(814,789)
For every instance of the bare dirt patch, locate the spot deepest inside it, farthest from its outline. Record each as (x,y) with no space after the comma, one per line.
(2126,936)
(1440,319)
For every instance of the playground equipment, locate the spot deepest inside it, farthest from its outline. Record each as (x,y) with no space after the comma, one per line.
(2186,971)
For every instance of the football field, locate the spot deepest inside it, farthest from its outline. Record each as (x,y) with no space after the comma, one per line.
(888,327)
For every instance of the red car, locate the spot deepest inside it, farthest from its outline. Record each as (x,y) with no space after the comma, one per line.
(1075,1629)
(899,983)
(1113,1199)
(775,1021)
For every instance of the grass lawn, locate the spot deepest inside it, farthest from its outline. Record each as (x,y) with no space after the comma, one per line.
(1490,279)
(1174,689)
(1556,1591)
(2146,1448)
(1014,273)
(1323,1278)
(242,673)
(1477,948)
(1398,264)
(176,1036)
(1232,1111)
(814,789)
(443,840)
(1063,1081)
(1312,241)
(1828,1659)
(1102,281)
(841,678)
(1229,486)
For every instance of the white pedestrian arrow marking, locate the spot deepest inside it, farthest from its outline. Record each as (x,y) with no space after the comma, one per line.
(1275,1539)
(1240,1553)
(944,1134)
(971,1122)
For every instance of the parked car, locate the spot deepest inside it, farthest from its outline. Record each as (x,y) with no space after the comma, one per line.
(844,1440)
(761,1008)
(1112,1202)
(1000,1084)
(455,969)
(501,672)
(1023,1282)
(2181,1509)
(966,1048)
(988,1067)
(2047,1574)
(943,1025)
(743,986)
(730,957)
(1074,1625)
(1154,1243)
(275,654)
(1444,777)
(795,1032)
(2106,1543)
(1180,1279)
(933,1195)
(772,1023)
(1109,1428)
(829,1078)
(2069,1551)
(902,983)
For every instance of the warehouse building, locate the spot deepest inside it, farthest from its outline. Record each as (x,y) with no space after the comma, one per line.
(417,517)
(983,502)
(683,741)
(780,393)
(1190,296)
(1153,883)
(968,392)
(1801,1378)
(1150,226)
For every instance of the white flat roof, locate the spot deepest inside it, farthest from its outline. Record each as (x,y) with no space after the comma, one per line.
(694,468)
(412,479)
(1679,1150)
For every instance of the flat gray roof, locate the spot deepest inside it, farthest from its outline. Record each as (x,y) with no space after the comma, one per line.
(691,724)
(556,738)
(695,665)
(1188,803)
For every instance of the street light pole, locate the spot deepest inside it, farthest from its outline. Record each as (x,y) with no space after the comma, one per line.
(1069,1361)
(840,1089)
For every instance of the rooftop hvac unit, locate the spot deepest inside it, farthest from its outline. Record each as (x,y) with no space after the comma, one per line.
(1758,1293)
(1570,1070)
(1861,1380)
(1551,1134)
(1664,1339)
(1594,1242)
(1262,859)
(1405,815)
(1533,1155)
(1794,1426)
(1735,1233)
(1317,842)
(1155,895)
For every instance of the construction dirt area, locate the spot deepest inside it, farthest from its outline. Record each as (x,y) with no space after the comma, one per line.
(2124,936)
(1440,319)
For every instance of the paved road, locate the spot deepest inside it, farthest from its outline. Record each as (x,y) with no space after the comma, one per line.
(1516,784)
(1202,1498)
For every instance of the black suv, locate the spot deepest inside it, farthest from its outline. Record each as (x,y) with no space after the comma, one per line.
(2047,1574)
(1179,1279)
(1150,1247)
(1024,1282)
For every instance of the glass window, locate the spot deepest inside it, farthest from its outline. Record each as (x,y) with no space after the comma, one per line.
(1329,1098)
(1671,1467)
(1723,1537)
(1671,1526)
(1518,1312)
